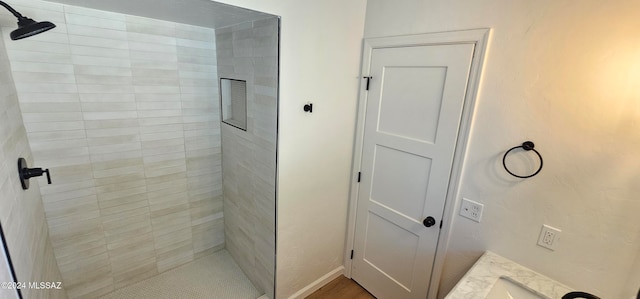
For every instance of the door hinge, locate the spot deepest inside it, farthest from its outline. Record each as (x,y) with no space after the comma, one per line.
(368,81)
(440,223)
(351,254)
(359,176)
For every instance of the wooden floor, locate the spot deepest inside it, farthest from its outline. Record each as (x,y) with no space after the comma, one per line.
(341,288)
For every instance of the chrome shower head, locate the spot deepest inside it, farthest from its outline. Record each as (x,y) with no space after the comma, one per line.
(26,26)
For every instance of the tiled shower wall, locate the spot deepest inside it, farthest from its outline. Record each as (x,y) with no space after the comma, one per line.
(124,111)
(21,211)
(249,51)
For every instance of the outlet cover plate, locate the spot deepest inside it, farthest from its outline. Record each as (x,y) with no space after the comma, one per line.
(471,209)
(549,237)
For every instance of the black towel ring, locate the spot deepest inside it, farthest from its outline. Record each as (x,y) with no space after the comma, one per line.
(527,146)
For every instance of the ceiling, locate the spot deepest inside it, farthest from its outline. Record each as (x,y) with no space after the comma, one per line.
(203,13)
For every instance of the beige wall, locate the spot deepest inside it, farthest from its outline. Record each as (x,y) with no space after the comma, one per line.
(21,211)
(564,74)
(124,112)
(249,51)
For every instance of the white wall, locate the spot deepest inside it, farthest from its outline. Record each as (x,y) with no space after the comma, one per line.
(320,58)
(566,75)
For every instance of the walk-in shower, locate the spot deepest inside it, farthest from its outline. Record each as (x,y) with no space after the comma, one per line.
(121,102)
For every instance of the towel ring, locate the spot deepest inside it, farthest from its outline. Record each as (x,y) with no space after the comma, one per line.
(527,146)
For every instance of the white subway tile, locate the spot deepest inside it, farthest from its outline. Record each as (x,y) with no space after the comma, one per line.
(196,44)
(151,47)
(208,83)
(154,28)
(158,65)
(103,80)
(156,89)
(99,21)
(54,126)
(118,171)
(47,154)
(39,56)
(101,61)
(207,35)
(212,77)
(100,52)
(187,51)
(115,156)
(110,115)
(107,98)
(161,135)
(149,21)
(104,89)
(26,66)
(159,113)
(101,70)
(98,42)
(157,97)
(139,73)
(113,148)
(45,87)
(165,171)
(153,56)
(164,105)
(137,80)
(95,31)
(197,68)
(42,77)
(111,140)
(34,45)
(202,60)
(106,106)
(39,117)
(150,38)
(58,135)
(107,132)
(31,107)
(83,11)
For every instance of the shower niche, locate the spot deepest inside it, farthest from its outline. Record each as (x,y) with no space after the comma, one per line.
(159,159)
(233,102)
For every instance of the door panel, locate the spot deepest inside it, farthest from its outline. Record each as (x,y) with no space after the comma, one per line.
(409,110)
(413,113)
(399,177)
(395,263)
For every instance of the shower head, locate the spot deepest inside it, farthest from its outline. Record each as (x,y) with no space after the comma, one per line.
(26,26)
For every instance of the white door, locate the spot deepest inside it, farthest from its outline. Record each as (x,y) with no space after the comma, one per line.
(414,107)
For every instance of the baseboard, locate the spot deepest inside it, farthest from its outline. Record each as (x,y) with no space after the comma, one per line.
(320,282)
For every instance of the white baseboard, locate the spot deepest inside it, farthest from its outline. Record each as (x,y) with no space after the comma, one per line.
(320,282)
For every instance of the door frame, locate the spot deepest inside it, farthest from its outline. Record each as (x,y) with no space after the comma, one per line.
(479,37)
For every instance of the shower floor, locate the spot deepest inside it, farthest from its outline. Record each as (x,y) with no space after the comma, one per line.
(213,276)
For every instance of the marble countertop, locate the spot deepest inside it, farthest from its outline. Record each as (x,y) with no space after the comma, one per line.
(479,280)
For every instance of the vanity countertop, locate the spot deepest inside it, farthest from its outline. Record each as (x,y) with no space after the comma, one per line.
(479,280)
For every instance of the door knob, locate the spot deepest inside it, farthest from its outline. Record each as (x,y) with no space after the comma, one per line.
(429,221)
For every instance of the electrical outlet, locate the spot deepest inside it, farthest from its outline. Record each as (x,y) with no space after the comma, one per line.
(549,237)
(471,209)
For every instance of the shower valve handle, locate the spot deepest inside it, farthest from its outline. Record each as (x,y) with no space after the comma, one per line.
(26,173)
